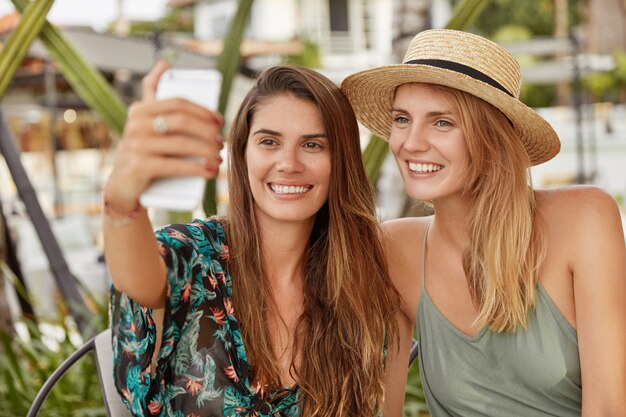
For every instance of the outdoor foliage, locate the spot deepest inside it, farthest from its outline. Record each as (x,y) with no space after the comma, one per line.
(511,20)
(606,86)
(414,401)
(228,64)
(84,79)
(25,365)
(309,57)
(174,21)
(535,15)
(16,47)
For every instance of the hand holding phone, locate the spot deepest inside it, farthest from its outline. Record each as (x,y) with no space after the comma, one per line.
(201,87)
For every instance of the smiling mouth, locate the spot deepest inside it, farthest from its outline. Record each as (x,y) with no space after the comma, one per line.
(290,189)
(424,168)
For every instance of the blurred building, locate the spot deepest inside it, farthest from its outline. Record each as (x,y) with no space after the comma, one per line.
(347,32)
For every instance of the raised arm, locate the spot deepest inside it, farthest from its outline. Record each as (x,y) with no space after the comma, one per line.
(142,156)
(599,272)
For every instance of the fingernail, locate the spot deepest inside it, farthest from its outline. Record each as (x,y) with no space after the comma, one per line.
(217,119)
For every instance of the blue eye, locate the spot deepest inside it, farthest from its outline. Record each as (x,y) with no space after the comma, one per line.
(401,119)
(443,123)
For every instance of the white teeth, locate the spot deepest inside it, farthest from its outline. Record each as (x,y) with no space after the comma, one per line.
(289,189)
(422,168)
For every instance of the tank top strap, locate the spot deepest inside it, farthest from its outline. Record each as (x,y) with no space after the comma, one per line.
(424,255)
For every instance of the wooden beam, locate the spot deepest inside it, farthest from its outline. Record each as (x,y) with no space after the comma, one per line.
(249,47)
(181,3)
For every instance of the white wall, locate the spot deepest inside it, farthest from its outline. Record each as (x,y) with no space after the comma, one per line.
(211,20)
(273,20)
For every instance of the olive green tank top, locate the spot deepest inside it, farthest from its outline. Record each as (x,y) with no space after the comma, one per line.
(525,373)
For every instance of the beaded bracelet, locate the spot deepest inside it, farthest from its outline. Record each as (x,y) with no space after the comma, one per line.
(120,219)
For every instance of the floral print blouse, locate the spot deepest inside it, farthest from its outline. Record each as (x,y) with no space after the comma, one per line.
(201,369)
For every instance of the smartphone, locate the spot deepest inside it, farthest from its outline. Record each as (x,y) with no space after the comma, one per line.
(201,87)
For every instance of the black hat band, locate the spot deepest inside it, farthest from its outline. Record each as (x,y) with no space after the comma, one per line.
(460,68)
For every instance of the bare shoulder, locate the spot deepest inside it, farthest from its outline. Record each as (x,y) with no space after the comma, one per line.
(586,239)
(403,236)
(580,206)
(580,220)
(575,196)
(406,227)
(403,241)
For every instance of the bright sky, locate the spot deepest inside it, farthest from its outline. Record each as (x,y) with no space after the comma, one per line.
(96,13)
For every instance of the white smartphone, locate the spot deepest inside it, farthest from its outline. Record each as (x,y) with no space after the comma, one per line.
(201,87)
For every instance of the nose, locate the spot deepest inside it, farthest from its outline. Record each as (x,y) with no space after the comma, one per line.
(414,139)
(289,160)
(417,139)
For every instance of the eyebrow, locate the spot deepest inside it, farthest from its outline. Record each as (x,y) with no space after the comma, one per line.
(429,114)
(275,133)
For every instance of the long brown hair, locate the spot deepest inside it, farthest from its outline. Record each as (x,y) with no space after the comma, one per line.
(505,242)
(349,300)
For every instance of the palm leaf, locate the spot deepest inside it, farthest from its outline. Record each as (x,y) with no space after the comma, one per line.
(87,82)
(374,156)
(16,47)
(465,14)
(228,64)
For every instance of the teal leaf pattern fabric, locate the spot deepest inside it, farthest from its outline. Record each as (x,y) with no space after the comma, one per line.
(201,368)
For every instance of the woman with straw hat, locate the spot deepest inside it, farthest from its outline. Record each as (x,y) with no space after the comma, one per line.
(517,294)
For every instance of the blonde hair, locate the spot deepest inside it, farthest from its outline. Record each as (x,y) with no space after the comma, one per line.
(350,301)
(505,242)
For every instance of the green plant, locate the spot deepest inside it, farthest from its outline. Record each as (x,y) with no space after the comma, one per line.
(465,13)
(16,47)
(228,63)
(25,365)
(309,56)
(414,401)
(88,83)
(374,156)
(608,85)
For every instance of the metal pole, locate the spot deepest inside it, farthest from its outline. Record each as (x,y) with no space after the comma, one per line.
(51,104)
(13,263)
(577,104)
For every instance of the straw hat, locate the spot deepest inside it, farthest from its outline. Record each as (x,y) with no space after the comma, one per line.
(460,60)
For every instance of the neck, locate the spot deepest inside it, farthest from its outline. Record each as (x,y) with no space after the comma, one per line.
(450,221)
(284,245)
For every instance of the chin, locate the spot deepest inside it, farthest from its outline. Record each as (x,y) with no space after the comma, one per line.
(418,194)
(291,216)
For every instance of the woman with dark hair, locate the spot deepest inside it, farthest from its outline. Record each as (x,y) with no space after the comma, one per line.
(517,294)
(282,308)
